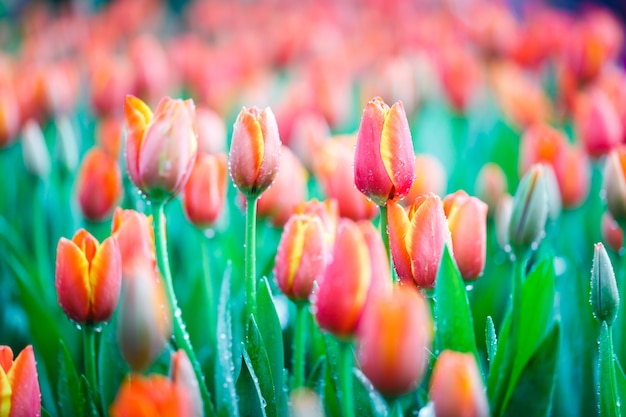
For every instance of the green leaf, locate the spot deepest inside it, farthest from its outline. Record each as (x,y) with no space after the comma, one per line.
(609,398)
(367,401)
(331,383)
(316,378)
(533,392)
(90,407)
(70,400)
(112,368)
(620,379)
(251,399)
(272,335)
(455,330)
(491,339)
(225,392)
(259,364)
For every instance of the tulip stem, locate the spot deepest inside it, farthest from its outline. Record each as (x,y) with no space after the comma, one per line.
(90,364)
(299,351)
(608,397)
(345,376)
(181,338)
(250,261)
(383,221)
(208,287)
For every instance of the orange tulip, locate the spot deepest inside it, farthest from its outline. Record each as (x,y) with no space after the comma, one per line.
(614,183)
(109,135)
(394,338)
(328,213)
(161,148)
(460,73)
(612,234)
(384,157)
(597,123)
(467,220)
(9,117)
(430,177)
(417,239)
(205,192)
(99,184)
(153,396)
(88,277)
(182,374)
(19,387)
(254,151)
(135,236)
(456,387)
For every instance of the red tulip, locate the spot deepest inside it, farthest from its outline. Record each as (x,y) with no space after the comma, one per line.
(417,239)
(205,192)
(612,234)
(19,387)
(153,396)
(135,236)
(384,158)
(394,338)
(99,184)
(597,123)
(160,148)
(88,277)
(456,387)
(254,151)
(467,220)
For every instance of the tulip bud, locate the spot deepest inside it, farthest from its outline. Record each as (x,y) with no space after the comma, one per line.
(182,374)
(9,117)
(205,192)
(328,213)
(614,183)
(88,277)
(504,210)
(456,387)
(612,234)
(575,179)
(99,185)
(160,148)
(254,151)
(135,236)
(211,131)
(395,335)
(144,317)
(301,256)
(491,185)
(430,177)
(530,211)
(151,396)
(19,387)
(310,131)
(597,123)
(604,295)
(109,136)
(467,221)
(417,239)
(35,151)
(384,157)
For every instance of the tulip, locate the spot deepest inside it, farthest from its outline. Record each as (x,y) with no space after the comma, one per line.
(301,256)
(310,131)
(99,184)
(597,123)
(384,158)
(153,396)
(135,236)
(542,144)
(430,177)
(211,131)
(160,148)
(19,387)
(88,277)
(467,220)
(109,136)
(460,74)
(612,234)
(254,151)
(456,387)
(205,192)
(110,79)
(394,338)
(502,220)
(9,117)
(614,183)
(491,185)
(144,319)
(328,213)
(574,180)
(288,191)
(182,374)
(417,239)
(604,295)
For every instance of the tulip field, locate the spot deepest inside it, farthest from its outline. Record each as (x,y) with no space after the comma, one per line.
(315,208)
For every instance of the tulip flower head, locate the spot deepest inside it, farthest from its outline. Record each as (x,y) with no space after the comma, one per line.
(328,213)
(161,147)
(254,151)
(604,294)
(182,374)
(19,387)
(205,191)
(614,183)
(135,236)
(99,184)
(153,396)
(88,277)
(491,185)
(612,234)
(384,157)
(597,123)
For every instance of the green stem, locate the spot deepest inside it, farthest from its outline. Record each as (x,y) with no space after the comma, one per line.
(383,222)
(345,379)
(208,286)
(299,352)
(90,363)
(40,236)
(609,398)
(250,261)
(181,338)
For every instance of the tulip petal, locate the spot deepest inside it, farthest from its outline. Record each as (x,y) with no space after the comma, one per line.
(26,397)
(72,280)
(272,149)
(313,260)
(105,276)
(468,227)
(398,225)
(138,115)
(396,151)
(152,396)
(6,358)
(5,394)
(247,149)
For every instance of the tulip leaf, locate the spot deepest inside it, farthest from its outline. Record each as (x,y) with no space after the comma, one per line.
(255,356)
(112,368)
(87,393)
(367,401)
(620,379)
(316,379)
(533,392)
(272,336)
(70,400)
(331,384)
(491,339)
(455,330)
(251,401)
(225,392)
(609,397)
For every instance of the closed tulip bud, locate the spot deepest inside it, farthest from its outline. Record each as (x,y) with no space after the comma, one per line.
(467,220)
(575,179)
(530,211)
(417,239)
(394,337)
(288,191)
(504,210)
(19,387)
(456,387)
(384,157)
(612,234)
(109,132)
(88,277)
(135,236)
(597,123)
(491,185)
(301,256)
(144,319)
(328,213)
(35,151)
(614,183)
(430,177)
(152,396)
(205,192)
(182,374)
(211,131)
(99,185)
(604,295)
(161,147)
(254,151)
